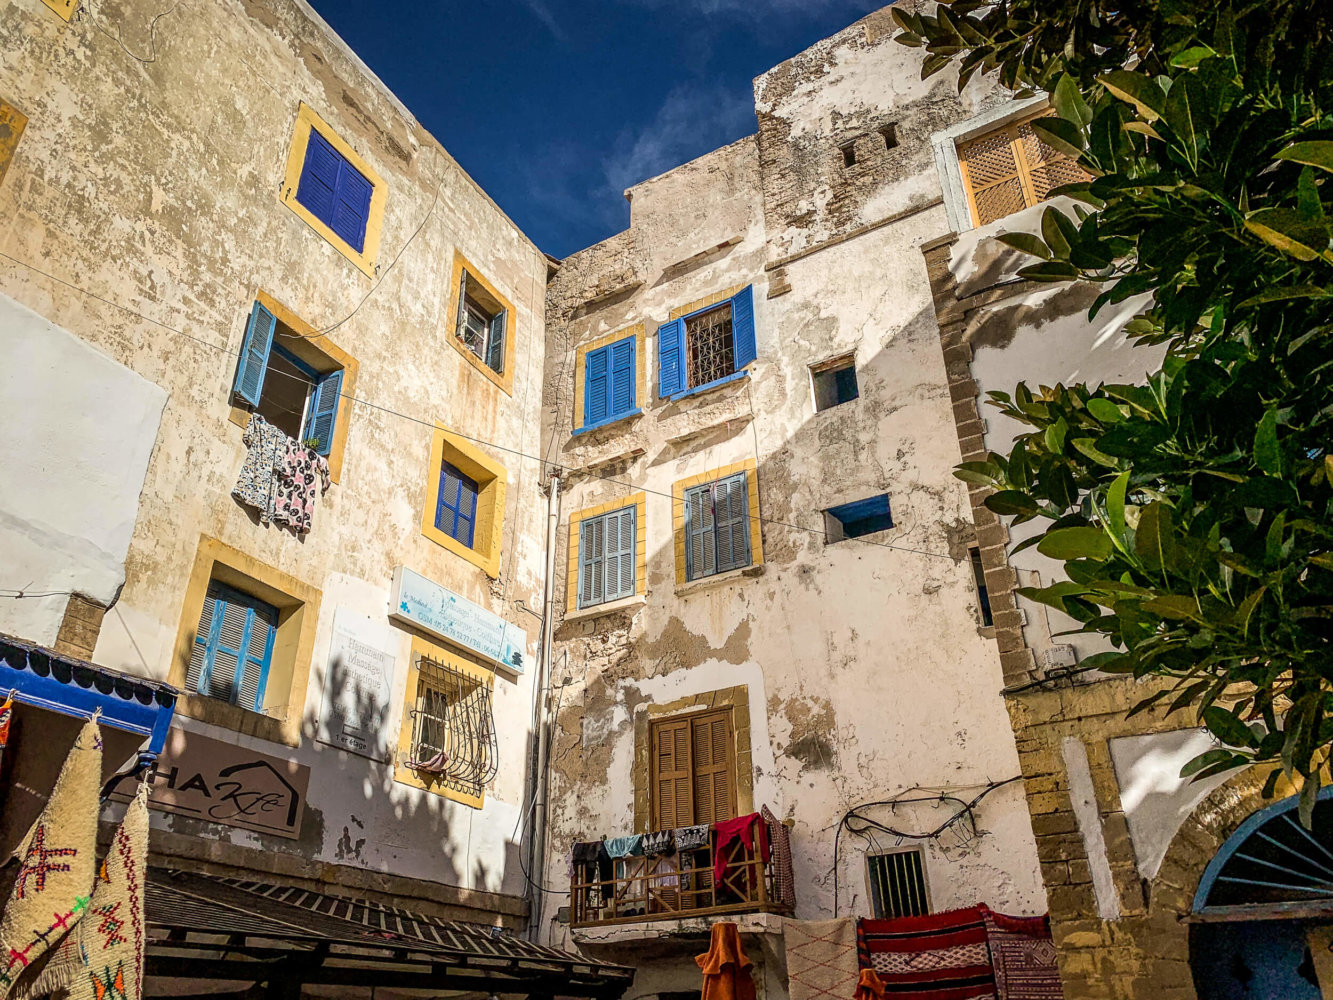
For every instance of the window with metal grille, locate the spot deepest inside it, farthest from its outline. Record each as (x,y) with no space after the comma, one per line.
(979,578)
(861,517)
(453,728)
(608,556)
(834,382)
(481,323)
(898,884)
(1012,168)
(694,769)
(456,512)
(717,527)
(709,352)
(233,648)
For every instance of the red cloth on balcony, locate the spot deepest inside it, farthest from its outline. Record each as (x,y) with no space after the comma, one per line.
(726,969)
(746,829)
(942,956)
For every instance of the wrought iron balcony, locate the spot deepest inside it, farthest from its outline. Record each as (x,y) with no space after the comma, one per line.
(626,890)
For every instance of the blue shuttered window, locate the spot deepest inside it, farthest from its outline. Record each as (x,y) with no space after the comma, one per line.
(608,550)
(861,517)
(717,527)
(233,648)
(609,383)
(249,385)
(335,192)
(678,376)
(324,411)
(456,513)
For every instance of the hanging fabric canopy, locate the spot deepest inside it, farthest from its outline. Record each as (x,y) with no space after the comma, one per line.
(726,969)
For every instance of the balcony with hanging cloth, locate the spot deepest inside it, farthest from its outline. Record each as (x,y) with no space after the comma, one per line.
(693,874)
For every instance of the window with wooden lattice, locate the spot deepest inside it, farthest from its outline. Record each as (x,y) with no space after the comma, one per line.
(1011,168)
(693,769)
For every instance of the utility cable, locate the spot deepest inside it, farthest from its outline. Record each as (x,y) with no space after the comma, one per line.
(476,440)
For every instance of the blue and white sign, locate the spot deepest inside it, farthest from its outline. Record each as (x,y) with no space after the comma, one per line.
(426,605)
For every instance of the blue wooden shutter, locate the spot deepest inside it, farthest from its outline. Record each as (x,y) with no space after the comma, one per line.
(592,561)
(205,643)
(742,327)
(732,520)
(467,512)
(671,358)
(700,537)
(262,629)
(621,537)
(495,344)
(317,189)
(456,513)
(233,648)
(254,355)
(596,385)
(324,411)
(351,207)
(622,382)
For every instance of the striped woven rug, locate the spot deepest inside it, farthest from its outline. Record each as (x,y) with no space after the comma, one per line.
(943,956)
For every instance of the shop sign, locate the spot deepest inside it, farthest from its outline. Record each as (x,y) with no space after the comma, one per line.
(435,609)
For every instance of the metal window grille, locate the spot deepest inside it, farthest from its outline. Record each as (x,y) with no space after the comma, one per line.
(453,728)
(710,352)
(898,884)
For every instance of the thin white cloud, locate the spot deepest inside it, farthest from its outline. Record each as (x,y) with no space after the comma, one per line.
(543,13)
(756,10)
(693,120)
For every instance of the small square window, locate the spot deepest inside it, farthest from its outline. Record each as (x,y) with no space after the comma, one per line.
(465,499)
(898,884)
(835,383)
(863,517)
(889,133)
(848,154)
(979,578)
(481,323)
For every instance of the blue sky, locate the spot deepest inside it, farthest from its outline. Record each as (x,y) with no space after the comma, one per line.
(556,106)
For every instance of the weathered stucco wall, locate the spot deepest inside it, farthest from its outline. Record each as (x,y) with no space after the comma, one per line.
(864,667)
(149,177)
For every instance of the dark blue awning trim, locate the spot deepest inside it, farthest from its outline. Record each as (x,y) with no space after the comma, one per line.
(45,679)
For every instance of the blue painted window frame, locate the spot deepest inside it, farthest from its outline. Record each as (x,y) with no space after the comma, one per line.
(873,514)
(593,395)
(254,607)
(456,507)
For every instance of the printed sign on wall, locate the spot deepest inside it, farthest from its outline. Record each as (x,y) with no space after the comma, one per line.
(358,685)
(223,783)
(432,608)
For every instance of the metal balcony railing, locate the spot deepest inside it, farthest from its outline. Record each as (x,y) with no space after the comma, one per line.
(625,890)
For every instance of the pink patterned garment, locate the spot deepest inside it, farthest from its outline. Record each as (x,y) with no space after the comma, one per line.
(302,476)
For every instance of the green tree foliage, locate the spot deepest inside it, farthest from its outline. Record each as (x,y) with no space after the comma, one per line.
(1192,513)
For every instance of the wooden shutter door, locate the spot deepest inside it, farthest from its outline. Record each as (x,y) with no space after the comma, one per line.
(992,176)
(673,805)
(714,767)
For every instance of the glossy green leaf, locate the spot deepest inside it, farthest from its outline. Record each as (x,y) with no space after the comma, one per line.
(1075,543)
(1011,502)
(1317,153)
(1191,57)
(1267,453)
(1141,91)
(1060,134)
(1026,243)
(1069,103)
(1179,113)
(1227,728)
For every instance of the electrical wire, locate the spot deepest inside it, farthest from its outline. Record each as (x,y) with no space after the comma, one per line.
(965,810)
(476,440)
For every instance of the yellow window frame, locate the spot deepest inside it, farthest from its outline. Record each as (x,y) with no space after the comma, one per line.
(306,121)
(315,343)
(493,481)
(678,489)
(65,8)
(459,660)
(504,379)
(293,647)
(639,501)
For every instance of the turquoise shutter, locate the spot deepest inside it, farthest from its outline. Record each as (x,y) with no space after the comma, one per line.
(254,355)
(621,536)
(742,327)
(317,189)
(700,538)
(495,344)
(732,520)
(592,561)
(596,385)
(671,358)
(622,377)
(205,642)
(324,411)
(351,205)
(262,628)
